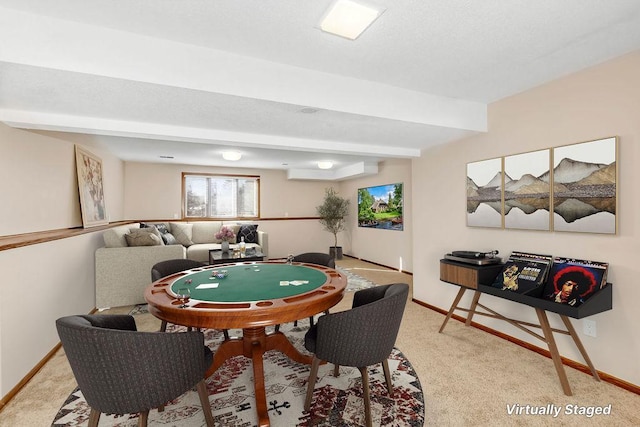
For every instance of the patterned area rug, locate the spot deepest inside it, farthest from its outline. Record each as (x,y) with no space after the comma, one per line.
(336,402)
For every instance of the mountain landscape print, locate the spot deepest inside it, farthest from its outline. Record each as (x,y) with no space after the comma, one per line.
(484,193)
(584,187)
(527,192)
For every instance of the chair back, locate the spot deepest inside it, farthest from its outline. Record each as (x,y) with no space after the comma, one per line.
(316,258)
(171,266)
(365,334)
(121,371)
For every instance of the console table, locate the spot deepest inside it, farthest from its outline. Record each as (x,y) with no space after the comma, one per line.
(478,279)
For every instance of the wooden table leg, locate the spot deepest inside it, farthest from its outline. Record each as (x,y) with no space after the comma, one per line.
(583,351)
(454,305)
(553,349)
(253,344)
(472,309)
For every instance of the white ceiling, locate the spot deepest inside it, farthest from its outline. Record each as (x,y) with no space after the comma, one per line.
(191,78)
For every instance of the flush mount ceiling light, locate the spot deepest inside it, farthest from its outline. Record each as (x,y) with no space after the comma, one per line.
(231,155)
(325,165)
(348,18)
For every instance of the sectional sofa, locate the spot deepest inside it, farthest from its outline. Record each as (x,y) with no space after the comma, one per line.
(123,265)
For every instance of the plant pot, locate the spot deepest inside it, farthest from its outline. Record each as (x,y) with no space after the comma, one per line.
(335,252)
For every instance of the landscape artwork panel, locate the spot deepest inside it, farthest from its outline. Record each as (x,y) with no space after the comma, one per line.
(484,193)
(381,206)
(584,187)
(527,191)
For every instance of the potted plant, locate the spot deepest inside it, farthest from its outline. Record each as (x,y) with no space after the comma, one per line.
(332,214)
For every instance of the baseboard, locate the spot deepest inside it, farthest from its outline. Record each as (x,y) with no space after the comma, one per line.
(381,265)
(565,361)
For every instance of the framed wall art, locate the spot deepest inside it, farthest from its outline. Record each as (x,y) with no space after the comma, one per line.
(484,193)
(90,188)
(381,207)
(527,191)
(585,187)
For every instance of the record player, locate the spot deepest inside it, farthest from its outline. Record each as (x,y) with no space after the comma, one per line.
(474,257)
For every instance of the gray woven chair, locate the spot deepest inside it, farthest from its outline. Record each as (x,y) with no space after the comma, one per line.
(360,337)
(315,258)
(169,267)
(122,371)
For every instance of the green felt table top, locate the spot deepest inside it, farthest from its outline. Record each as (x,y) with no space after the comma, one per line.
(251,282)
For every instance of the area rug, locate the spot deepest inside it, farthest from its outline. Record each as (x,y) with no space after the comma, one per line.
(337,401)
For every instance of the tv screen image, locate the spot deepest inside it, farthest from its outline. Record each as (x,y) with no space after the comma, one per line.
(381,207)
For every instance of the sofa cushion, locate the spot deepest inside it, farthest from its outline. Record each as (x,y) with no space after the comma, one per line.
(204,231)
(114,237)
(142,237)
(249,232)
(151,228)
(183,232)
(163,229)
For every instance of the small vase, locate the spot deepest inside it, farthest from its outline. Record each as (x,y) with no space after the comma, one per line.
(225,246)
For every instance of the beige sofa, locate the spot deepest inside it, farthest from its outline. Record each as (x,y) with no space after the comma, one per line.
(124,271)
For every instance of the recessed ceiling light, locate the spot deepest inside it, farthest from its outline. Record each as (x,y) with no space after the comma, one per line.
(309,110)
(231,155)
(325,165)
(166,157)
(349,19)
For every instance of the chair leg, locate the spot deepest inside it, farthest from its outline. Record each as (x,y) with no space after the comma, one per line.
(226,334)
(387,375)
(204,401)
(143,418)
(163,326)
(313,375)
(367,399)
(94,417)
(336,370)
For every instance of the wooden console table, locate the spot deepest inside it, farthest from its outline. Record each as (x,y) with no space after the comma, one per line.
(479,278)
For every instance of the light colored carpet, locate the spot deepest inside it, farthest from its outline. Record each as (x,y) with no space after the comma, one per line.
(462,372)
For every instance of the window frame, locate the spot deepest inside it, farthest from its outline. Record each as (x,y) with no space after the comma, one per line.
(183,203)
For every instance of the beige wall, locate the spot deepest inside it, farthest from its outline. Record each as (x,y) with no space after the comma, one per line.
(39,186)
(600,102)
(153,191)
(386,247)
(39,192)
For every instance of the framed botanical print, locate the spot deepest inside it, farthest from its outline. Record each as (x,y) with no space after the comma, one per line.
(90,188)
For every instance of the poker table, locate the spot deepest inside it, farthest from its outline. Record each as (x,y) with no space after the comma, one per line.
(251,296)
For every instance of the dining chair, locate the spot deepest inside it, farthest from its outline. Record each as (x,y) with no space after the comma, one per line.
(318,258)
(120,370)
(359,337)
(169,267)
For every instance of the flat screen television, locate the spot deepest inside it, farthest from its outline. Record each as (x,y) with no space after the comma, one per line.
(381,207)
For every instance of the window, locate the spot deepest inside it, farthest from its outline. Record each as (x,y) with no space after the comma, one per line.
(221,196)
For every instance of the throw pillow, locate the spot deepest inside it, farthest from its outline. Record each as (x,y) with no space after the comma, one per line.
(169,239)
(142,238)
(162,228)
(249,232)
(150,228)
(182,232)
